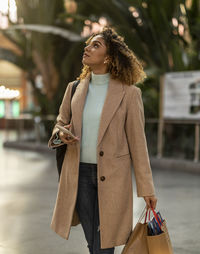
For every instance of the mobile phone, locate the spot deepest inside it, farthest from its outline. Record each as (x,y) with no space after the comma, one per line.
(65,130)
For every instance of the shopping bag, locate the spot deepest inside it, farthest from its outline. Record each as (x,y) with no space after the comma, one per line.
(158,243)
(137,241)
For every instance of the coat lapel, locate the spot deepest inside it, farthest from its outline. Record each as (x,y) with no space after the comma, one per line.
(114,96)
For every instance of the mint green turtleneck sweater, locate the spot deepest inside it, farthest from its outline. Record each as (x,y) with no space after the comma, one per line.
(91,116)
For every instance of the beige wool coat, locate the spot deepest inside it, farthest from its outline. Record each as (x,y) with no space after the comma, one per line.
(121,145)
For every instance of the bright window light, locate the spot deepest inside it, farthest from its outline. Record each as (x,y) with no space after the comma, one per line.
(6,93)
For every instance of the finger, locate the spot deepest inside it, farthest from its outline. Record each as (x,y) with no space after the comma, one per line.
(75,139)
(67,126)
(71,140)
(66,136)
(155,203)
(65,139)
(148,203)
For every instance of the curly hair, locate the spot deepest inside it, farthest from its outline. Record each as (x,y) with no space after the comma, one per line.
(123,64)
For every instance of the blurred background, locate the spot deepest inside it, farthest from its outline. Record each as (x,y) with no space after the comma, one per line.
(41,47)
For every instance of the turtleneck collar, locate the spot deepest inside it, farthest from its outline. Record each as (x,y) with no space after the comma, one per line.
(98,79)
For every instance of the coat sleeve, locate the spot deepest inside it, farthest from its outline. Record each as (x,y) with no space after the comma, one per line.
(63,117)
(135,131)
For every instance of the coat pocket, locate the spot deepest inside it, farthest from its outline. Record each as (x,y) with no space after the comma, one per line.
(122,154)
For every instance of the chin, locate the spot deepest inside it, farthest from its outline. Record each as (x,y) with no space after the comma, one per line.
(85,62)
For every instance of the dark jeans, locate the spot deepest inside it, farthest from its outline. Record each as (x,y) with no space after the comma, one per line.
(88,209)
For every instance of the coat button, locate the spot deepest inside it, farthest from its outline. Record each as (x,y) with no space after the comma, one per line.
(102,178)
(101,153)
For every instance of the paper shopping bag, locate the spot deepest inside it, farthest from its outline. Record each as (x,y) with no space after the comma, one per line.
(137,241)
(161,243)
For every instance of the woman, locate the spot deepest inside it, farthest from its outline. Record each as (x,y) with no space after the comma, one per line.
(95,187)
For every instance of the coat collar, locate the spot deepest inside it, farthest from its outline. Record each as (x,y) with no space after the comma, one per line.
(114,96)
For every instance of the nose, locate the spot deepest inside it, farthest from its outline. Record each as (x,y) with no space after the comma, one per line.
(86,48)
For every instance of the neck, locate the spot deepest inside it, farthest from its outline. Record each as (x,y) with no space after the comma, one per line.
(99,69)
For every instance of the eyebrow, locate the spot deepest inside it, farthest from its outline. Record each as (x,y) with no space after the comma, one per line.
(98,42)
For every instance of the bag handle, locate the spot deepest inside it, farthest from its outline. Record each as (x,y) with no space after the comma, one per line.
(155,215)
(145,220)
(74,86)
(142,214)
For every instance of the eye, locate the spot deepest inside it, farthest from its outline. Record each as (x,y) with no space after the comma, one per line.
(96,45)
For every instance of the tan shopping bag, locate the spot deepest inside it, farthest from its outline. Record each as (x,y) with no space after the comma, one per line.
(137,241)
(159,244)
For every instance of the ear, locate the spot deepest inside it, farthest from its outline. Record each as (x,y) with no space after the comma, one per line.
(106,60)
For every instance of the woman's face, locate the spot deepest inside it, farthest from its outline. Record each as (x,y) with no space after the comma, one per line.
(95,52)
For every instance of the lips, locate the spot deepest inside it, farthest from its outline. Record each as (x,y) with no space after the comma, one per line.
(84,55)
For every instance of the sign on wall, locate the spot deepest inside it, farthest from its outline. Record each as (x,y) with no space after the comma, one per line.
(181,95)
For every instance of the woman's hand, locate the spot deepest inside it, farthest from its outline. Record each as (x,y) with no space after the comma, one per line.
(66,138)
(151,201)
